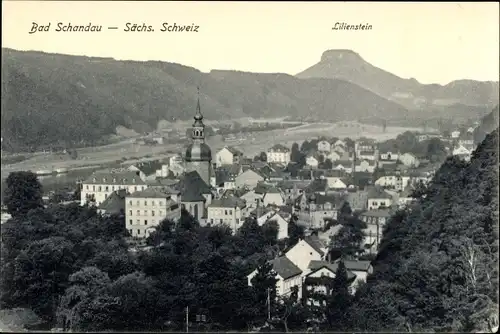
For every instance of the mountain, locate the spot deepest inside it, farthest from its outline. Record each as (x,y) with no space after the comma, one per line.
(350,66)
(53,98)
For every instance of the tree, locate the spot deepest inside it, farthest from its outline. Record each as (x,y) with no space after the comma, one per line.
(264,286)
(348,240)
(295,231)
(263,156)
(339,301)
(436,150)
(295,155)
(23,193)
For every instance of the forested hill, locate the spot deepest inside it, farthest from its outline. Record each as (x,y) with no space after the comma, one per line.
(437,269)
(51,98)
(488,124)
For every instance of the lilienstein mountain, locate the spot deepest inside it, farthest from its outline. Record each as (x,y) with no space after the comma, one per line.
(54,98)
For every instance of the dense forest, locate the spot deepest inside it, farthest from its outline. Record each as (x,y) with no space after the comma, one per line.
(437,269)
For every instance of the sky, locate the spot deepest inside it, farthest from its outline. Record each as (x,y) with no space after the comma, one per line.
(432,42)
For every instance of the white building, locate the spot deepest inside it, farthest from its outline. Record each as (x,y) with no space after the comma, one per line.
(462,153)
(281,219)
(324,146)
(389,156)
(312,160)
(278,154)
(229,210)
(455,134)
(97,187)
(249,178)
(378,198)
(408,159)
(273,196)
(227,156)
(144,210)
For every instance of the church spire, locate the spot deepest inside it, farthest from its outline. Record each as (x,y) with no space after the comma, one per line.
(198,116)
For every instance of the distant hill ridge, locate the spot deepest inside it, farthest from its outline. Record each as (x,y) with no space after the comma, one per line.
(53,98)
(350,66)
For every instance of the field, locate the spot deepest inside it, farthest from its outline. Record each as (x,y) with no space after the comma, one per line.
(128,152)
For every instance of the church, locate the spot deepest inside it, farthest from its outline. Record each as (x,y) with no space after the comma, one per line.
(196,193)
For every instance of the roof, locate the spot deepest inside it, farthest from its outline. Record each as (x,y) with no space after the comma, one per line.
(316,265)
(366,152)
(198,152)
(370,162)
(222,175)
(345,163)
(149,193)
(115,202)
(273,190)
(228,202)
(284,267)
(334,199)
(148,167)
(315,243)
(279,148)
(261,188)
(233,150)
(115,177)
(357,265)
(249,169)
(378,192)
(291,184)
(193,187)
(377,213)
(317,186)
(162,182)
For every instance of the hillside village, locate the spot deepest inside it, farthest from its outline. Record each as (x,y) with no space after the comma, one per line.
(307,186)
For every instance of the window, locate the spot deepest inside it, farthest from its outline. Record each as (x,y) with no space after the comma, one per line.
(153,203)
(145,221)
(138,203)
(138,212)
(230,212)
(160,203)
(152,212)
(237,221)
(138,231)
(130,202)
(225,212)
(146,203)
(87,187)
(113,188)
(130,212)
(130,231)
(99,188)
(160,212)
(221,221)
(130,221)
(145,212)
(107,188)
(138,221)
(135,188)
(211,221)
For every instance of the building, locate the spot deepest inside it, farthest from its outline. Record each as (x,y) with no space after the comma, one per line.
(273,196)
(144,210)
(409,159)
(196,195)
(227,156)
(308,249)
(462,153)
(324,146)
(97,187)
(147,170)
(288,275)
(312,160)
(281,219)
(364,145)
(378,198)
(279,154)
(389,156)
(455,134)
(249,179)
(229,210)
(198,155)
(365,165)
(114,204)
(375,221)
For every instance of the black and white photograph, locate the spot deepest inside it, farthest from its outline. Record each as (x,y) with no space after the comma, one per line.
(211,166)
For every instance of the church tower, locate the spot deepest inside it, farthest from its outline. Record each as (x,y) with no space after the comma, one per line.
(198,155)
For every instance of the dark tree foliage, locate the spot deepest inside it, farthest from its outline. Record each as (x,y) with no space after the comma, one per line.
(437,265)
(23,193)
(338,301)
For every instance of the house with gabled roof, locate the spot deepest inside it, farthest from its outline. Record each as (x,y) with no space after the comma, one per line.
(114,204)
(288,275)
(344,165)
(228,155)
(316,278)
(273,196)
(144,210)
(307,249)
(279,154)
(365,165)
(281,218)
(324,146)
(378,198)
(148,170)
(249,179)
(228,210)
